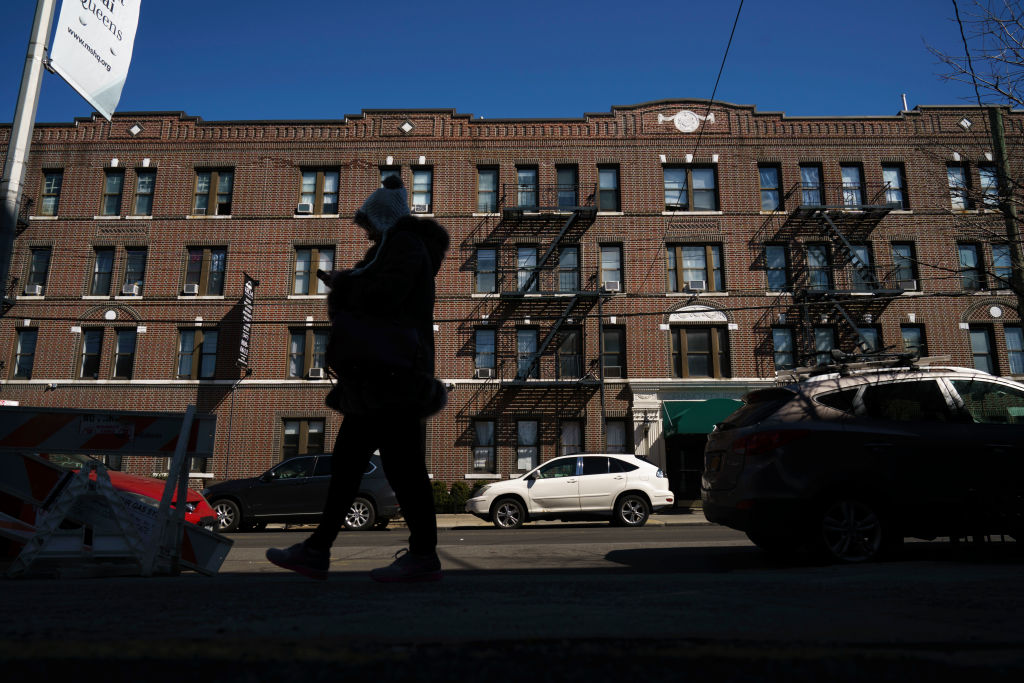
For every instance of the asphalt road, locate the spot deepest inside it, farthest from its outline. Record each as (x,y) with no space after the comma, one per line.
(559,602)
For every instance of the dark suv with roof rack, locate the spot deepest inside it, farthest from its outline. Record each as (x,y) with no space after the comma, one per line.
(850,459)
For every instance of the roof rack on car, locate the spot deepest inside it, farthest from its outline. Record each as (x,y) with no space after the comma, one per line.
(847,363)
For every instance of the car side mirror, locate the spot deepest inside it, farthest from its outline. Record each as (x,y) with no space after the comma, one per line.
(267,476)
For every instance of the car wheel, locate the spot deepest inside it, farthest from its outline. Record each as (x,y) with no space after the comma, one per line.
(508,514)
(631,510)
(229,517)
(361,515)
(851,530)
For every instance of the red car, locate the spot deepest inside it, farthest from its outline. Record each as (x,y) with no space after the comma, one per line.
(197,510)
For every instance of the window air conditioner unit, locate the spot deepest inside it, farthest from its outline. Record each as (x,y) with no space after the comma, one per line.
(675,207)
(33,290)
(200,212)
(191,289)
(613,371)
(130,290)
(611,286)
(484,373)
(421,208)
(316,373)
(908,285)
(696,285)
(304,207)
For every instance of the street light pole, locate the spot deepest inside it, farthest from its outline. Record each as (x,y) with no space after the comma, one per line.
(21,135)
(1008,206)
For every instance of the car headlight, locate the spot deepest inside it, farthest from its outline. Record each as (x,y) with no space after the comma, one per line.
(482,490)
(659,474)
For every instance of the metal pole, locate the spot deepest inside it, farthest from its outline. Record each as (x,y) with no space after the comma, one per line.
(1007,204)
(21,134)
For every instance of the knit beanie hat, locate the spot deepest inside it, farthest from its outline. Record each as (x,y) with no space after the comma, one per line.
(385,206)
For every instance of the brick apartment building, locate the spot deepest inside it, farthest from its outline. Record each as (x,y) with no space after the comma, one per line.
(615,282)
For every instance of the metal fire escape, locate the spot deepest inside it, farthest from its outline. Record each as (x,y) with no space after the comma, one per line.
(844,289)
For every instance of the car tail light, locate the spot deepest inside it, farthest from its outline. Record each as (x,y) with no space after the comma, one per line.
(765,442)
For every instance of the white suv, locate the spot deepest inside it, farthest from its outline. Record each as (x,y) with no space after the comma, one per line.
(585,486)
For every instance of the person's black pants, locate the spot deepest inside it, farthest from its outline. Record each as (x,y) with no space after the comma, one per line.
(401,442)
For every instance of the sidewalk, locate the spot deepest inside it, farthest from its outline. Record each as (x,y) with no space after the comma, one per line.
(675,517)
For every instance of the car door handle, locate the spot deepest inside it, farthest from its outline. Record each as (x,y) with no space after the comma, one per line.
(570,481)
(620,477)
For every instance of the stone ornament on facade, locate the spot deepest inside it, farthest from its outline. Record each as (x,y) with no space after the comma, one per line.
(686,121)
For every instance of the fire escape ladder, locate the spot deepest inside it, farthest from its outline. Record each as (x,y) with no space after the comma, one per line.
(862,343)
(530,281)
(846,250)
(523,373)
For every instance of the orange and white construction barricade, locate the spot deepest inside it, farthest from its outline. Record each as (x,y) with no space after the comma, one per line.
(73,523)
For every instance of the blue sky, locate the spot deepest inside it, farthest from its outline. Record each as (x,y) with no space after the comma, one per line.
(322,59)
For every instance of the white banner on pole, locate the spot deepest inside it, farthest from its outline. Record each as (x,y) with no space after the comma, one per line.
(92,48)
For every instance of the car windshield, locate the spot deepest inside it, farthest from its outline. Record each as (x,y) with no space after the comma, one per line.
(68,461)
(757,405)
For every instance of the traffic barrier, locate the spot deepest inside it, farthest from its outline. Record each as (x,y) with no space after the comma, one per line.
(69,523)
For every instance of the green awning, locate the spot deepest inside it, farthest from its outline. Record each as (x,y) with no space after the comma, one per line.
(696,417)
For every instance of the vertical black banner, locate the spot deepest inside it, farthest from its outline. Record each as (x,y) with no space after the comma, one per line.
(244,340)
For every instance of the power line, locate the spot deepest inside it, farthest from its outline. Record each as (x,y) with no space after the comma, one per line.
(719,77)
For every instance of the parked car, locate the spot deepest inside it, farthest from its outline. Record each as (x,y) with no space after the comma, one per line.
(197,510)
(853,459)
(623,488)
(294,491)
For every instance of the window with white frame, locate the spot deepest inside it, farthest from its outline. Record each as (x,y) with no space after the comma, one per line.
(570,440)
(422,190)
(526,444)
(486,270)
(483,446)
(783,347)
(611,268)
(694,266)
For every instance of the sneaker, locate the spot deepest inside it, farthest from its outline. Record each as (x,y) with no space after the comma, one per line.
(409,567)
(302,559)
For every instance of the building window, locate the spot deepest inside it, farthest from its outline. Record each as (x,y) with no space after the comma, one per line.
(904,262)
(689,188)
(422,190)
(615,436)
(25,353)
(970,267)
(982,350)
(102,271)
(1001,266)
(113,188)
(570,438)
(38,269)
(484,356)
(611,268)
(487,190)
(486,270)
(526,445)
(810,185)
(307,350)
(862,276)
(568,186)
(989,186)
(307,261)
(124,353)
(699,352)
(956,176)
(49,199)
(776,268)
(782,343)
(695,267)
(569,269)
(526,266)
(608,188)
(824,342)
(134,271)
(895,182)
(145,185)
(526,347)
(388,172)
(526,187)
(302,437)
(1015,348)
(197,353)
(569,355)
(819,269)
(870,339)
(204,272)
(613,352)
(913,340)
(213,192)
(771,195)
(853,185)
(92,345)
(320,192)
(483,446)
